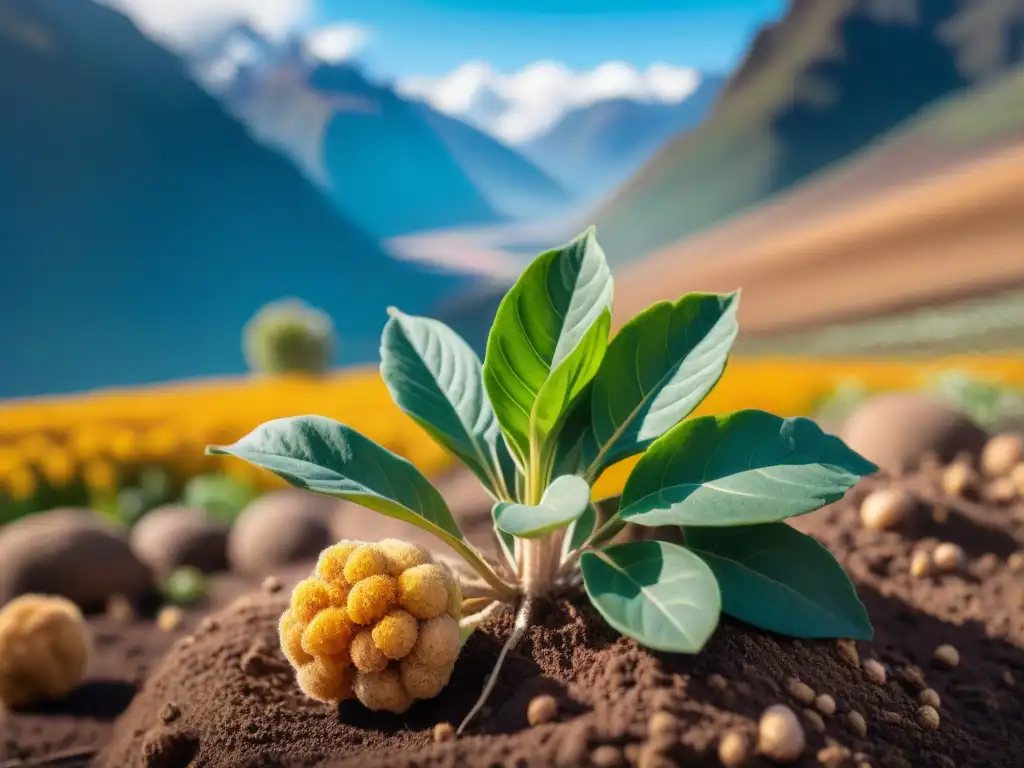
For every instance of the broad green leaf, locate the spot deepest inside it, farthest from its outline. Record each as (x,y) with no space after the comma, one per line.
(537,335)
(660,594)
(506,541)
(658,368)
(564,501)
(322,455)
(435,377)
(745,468)
(779,579)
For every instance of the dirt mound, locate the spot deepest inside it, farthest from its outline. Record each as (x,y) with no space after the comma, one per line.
(227,698)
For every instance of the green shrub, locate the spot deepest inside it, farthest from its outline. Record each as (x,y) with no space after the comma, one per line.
(289,336)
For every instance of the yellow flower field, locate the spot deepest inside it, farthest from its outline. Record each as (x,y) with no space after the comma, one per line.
(93,438)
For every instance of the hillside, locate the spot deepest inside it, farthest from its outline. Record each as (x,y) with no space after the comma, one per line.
(828,78)
(140,226)
(512,184)
(594,148)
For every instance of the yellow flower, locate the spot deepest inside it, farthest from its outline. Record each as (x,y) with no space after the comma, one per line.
(58,468)
(21,483)
(100,475)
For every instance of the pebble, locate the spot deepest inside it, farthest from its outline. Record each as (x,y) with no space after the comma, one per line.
(947,655)
(120,610)
(825,704)
(927,717)
(833,756)
(734,749)
(780,737)
(1016,562)
(815,720)
(272,585)
(920,565)
(914,676)
(1002,490)
(607,756)
(170,618)
(444,732)
(956,479)
(717,682)
(848,650)
(857,722)
(948,557)
(662,724)
(886,508)
(1001,454)
(875,671)
(542,709)
(930,697)
(800,691)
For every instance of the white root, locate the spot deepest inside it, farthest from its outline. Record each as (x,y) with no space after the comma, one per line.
(519,628)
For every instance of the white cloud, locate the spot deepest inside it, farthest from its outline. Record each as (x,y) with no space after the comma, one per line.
(337,42)
(180,23)
(521,105)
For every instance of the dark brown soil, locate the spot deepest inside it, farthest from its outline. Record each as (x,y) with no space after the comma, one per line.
(226,697)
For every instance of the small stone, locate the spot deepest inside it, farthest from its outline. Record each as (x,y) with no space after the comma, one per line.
(815,720)
(632,753)
(920,565)
(170,618)
(743,688)
(930,697)
(717,682)
(120,610)
(780,737)
(956,479)
(662,699)
(914,676)
(651,757)
(799,691)
(948,557)
(833,756)
(888,716)
(662,724)
(1002,490)
(734,749)
(1001,454)
(607,756)
(542,709)
(444,732)
(1016,562)
(272,585)
(1017,475)
(170,712)
(857,722)
(848,651)
(825,704)
(1008,678)
(940,515)
(927,717)
(947,655)
(209,624)
(875,671)
(886,508)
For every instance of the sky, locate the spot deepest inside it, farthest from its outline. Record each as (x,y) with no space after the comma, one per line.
(536,58)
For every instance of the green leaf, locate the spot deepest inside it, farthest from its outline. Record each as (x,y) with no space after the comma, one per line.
(658,593)
(436,378)
(539,329)
(745,468)
(580,530)
(564,501)
(779,579)
(658,368)
(322,455)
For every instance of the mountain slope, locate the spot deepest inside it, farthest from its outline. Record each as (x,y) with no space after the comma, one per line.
(509,181)
(821,83)
(140,226)
(596,147)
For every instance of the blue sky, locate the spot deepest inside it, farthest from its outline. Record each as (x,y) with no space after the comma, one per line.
(432,37)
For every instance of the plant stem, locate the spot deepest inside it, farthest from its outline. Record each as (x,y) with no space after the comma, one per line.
(506,591)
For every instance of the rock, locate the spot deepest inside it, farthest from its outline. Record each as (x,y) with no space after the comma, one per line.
(170,537)
(281,528)
(1001,454)
(896,431)
(73,553)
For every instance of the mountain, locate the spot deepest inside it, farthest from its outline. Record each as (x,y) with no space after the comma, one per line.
(141,226)
(510,182)
(381,163)
(824,81)
(596,147)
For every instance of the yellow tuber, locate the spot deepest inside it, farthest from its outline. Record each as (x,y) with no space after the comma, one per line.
(376,622)
(44,649)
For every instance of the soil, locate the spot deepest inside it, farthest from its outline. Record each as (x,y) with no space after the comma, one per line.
(223,695)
